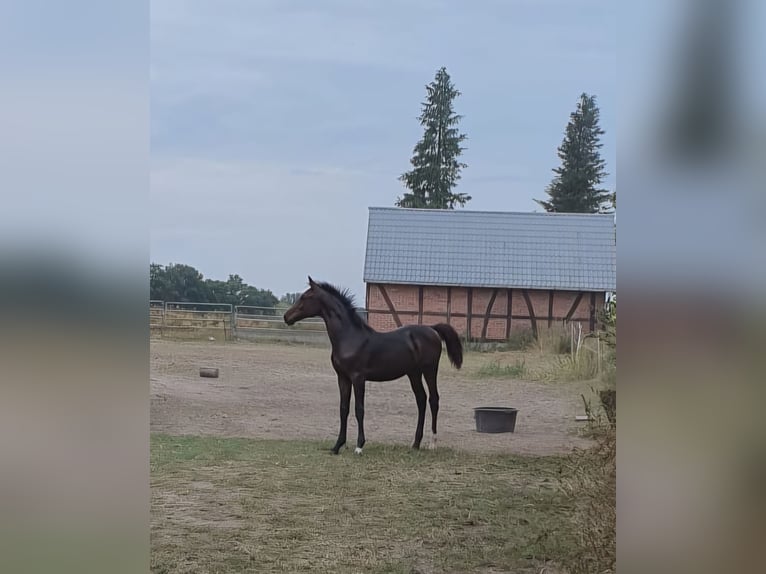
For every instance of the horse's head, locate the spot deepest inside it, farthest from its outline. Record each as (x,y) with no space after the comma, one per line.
(308,304)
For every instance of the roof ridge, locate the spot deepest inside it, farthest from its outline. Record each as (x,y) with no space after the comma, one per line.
(484,211)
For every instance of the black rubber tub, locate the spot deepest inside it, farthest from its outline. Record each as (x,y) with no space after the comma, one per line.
(495,419)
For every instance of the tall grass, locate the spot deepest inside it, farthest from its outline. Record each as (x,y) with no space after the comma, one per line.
(564,355)
(591,478)
(593,474)
(521,340)
(555,340)
(473,346)
(589,358)
(581,366)
(494,369)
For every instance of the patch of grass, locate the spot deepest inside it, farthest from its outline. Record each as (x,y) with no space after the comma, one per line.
(583,365)
(239,505)
(521,340)
(555,340)
(471,346)
(609,375)
(580,367)
(494,369)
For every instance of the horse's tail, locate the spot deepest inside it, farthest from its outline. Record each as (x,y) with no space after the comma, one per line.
(452,340)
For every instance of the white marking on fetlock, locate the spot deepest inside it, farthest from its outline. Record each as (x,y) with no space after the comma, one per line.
(357,450)
(432,444)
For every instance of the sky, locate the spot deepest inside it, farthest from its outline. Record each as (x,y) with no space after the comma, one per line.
(276,124)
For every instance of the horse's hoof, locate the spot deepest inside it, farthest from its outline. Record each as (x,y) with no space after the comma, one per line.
(432,444)
(357,450)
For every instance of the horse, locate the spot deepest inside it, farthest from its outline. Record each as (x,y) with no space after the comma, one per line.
(361,354)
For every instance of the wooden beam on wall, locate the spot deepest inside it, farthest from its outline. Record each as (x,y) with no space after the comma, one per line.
(550,308)
(487,314)
(531,310)
(574,306)
(592,311)
(470,311)
(420,304)
(387,299)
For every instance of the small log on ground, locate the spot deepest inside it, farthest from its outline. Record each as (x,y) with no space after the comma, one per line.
(209,372)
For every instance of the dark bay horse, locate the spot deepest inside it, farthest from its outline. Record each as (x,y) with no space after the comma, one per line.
(360,354)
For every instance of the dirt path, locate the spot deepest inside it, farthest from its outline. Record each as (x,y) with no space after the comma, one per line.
(290,392)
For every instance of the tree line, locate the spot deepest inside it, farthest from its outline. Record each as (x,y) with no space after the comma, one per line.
(436,165)
(183,283)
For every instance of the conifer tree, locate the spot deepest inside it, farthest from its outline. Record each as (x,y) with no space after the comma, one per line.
(575,187)
(435,162)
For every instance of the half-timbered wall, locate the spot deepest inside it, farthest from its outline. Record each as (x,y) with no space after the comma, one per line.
(488,314)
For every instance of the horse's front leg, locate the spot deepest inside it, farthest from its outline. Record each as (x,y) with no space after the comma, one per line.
(344,385)
(359,385)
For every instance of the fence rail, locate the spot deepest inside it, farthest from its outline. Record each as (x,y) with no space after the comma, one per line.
(193,319)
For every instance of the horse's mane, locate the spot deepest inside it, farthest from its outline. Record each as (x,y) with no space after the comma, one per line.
(346,299)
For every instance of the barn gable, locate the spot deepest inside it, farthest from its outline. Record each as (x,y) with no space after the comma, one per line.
(547,251)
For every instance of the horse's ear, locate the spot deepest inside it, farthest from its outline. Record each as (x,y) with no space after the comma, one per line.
(312,284)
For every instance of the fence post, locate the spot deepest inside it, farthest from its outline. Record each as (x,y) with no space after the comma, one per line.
(572,340)
(598,349)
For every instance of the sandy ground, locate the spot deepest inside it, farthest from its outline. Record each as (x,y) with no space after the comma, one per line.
(290,392)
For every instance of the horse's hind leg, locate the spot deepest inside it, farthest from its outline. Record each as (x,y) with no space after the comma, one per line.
(359,409)
(433,401)
(416,382)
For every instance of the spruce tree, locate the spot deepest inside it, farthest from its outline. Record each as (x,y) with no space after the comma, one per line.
(435,161)
(575,188)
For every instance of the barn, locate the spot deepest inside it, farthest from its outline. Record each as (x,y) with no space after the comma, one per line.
(488,274)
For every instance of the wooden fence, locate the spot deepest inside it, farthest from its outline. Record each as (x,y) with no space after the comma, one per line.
(227,322)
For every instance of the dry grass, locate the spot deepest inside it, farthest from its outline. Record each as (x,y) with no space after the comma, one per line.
(236,505)
(546,363)
(495,368)
(529,365)
(580,367)
(555,340)
(591,478)
(520,340)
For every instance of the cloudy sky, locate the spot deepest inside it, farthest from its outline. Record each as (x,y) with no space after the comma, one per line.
(277,123)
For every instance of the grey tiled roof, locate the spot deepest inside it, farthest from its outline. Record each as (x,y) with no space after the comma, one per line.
(491,249)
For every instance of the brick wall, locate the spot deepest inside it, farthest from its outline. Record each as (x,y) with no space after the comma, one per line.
(429,305)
